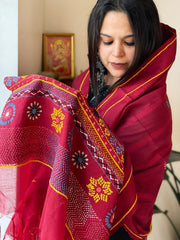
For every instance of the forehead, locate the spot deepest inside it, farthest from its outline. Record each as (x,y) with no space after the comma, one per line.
(116,23)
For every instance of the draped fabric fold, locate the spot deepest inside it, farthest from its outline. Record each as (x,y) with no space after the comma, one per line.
(64,175)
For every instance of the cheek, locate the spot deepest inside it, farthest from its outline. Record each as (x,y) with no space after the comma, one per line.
(130,53)
(100,50)
(103,53)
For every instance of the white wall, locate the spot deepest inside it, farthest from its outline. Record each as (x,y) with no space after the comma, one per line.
(161,229)
(169,14)
(31,23)
(8,44)
(70,17)
(8,59)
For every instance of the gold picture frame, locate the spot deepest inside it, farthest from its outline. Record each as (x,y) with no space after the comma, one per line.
(58,54)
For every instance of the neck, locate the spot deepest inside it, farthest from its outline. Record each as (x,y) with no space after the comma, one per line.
(110,80)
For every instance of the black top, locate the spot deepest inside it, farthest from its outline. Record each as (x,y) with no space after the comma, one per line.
(103,92)
(120,234)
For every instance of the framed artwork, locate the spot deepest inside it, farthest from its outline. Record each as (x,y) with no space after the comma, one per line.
(58,54)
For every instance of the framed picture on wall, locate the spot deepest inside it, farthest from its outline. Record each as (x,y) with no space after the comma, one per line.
(58,54)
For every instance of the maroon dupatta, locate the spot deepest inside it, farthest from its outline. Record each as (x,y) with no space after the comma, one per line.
(63,173)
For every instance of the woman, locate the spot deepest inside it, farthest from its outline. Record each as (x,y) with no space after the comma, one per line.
(130,53)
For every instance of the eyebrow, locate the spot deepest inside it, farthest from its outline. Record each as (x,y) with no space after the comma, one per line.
(106,35)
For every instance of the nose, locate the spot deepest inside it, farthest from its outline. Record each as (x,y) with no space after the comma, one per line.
(118,50)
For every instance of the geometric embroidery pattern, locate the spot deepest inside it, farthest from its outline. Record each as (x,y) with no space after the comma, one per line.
(60,174)
(108,171)
(41,93)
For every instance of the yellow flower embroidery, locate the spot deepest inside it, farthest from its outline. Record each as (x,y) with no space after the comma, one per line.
(57,117)
(99,189)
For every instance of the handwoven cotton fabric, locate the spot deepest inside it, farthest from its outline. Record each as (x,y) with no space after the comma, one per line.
(63,174)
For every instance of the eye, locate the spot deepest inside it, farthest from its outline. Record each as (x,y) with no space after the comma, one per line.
(129,43)
(107,43)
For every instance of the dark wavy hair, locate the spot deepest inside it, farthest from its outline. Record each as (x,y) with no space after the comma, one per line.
(144,20)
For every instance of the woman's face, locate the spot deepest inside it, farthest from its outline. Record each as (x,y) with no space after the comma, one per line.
(116,45)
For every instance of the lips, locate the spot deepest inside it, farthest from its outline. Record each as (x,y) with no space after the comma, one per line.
(118,65)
